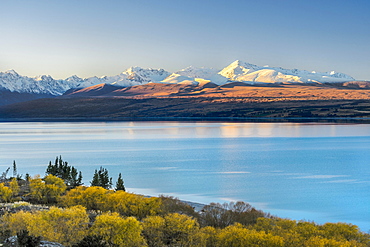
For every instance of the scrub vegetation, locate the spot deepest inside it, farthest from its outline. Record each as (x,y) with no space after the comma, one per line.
(59,210)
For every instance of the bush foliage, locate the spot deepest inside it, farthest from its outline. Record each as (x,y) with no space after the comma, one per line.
(97,216)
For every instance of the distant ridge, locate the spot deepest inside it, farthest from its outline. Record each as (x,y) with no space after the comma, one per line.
(238,71)
(357,84)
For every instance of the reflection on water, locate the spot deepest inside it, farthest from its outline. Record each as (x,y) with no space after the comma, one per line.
(304,171)
(128,130)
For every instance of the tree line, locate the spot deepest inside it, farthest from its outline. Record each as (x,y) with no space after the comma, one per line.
(60,177)
(73,178)
(101,216)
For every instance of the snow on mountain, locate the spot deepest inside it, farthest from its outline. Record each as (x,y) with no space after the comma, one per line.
(241,71)
(204,73)
(13,82)
(175,78)
(146,75)
(236,71)
(75,80)
(131,77)
(45,84)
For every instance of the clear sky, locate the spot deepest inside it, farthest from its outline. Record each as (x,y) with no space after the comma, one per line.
(105,37)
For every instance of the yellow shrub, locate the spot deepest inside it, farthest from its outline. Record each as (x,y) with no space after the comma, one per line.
(66,226)
(17,221)
(117,230)
(238,236)
(172,230)
(13,185)
(128,204)
(48,190)
(153,227)
(93,198)
(5,193)
(318,241)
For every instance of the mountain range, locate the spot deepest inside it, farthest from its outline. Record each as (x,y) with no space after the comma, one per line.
(15,87)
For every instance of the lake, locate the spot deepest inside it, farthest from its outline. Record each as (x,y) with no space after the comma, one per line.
(310,171)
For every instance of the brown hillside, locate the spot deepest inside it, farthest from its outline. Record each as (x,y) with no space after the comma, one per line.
(255,93)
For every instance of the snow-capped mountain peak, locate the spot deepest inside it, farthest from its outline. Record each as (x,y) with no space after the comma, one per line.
(145,75)
(130,77)
(203,73)
(238,68)
(44,78)
(11,71)
(236,71)
(74,78)
(241,71)
(340,75)
(197,72)
(132,70)
(239,63)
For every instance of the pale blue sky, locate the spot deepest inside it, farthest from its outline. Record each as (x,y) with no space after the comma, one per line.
(97,37)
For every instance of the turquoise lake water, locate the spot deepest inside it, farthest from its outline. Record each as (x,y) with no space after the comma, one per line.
(315,172)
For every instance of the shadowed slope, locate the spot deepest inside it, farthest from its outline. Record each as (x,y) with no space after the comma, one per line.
(103,108)
(96,90)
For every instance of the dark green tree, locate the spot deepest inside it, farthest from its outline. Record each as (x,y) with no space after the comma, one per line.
(120,184)
(63,170)
(101,178)
(95,181)
(73,176)
(92,241)
(79,179)
(14,169)
(24,239)
(4,175)
(51,169)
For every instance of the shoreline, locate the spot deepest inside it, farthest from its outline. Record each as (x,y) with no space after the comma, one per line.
(365,120)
